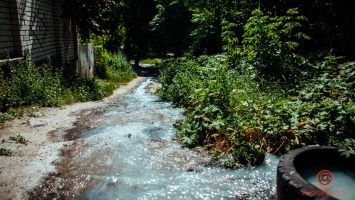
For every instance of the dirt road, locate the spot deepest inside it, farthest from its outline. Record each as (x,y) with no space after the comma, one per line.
(47,134)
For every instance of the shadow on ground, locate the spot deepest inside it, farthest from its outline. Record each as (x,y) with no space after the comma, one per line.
(147,70)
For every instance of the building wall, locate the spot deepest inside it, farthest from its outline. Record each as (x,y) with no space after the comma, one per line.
(67,37)
(9,33)
(38,26)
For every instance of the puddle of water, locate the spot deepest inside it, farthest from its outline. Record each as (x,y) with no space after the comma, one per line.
(343,184)
(133,155)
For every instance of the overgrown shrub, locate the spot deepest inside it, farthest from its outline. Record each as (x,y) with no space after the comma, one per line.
(112,66)
(216,99)
(101,61)
(24,84)
(234,114)
(236,105)
(268,47)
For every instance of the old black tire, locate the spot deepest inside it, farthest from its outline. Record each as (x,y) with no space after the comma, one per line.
(291,185)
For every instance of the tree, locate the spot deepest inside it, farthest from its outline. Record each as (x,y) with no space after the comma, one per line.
(331,23)
(87,14)
(207,34)
(124,22)
(269,44)
(135,16)
(210,26)
(171,27)
(215,23)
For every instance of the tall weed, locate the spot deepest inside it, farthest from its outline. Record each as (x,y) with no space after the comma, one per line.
(112,66)
(24,84)
(235,115)
(219,104)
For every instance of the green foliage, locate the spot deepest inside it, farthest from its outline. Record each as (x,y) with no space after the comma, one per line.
(87,14)
(112,66)
(236,114)
(5,152)
(329,22)
(102,58)
(269,44)
(240,117)
(12,113)
(90,89)
(206,36)
(154,60)
(218,102)
(327,100)
(24,84)
(19,139)
(4,117)
(170,28)
(128,23)
(347,147)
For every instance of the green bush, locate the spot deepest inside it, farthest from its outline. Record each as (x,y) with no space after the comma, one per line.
(24,84)
(112,66)
(216,99)
(101,62)
(268,47)
(119,68)
(234,114)
(5,152)
(262,96)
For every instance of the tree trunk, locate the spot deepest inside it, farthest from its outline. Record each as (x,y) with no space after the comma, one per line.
(137,58)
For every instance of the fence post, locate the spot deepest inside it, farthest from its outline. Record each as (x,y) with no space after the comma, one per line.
(86,61)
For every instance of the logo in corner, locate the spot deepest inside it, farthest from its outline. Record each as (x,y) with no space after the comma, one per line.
(324,178)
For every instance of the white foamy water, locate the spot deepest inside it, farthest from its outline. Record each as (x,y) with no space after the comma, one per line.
(342,186)
(134,155)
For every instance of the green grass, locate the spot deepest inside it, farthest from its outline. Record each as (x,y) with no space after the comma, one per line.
(19,139)
(24,85)
(153,60)
(5,152)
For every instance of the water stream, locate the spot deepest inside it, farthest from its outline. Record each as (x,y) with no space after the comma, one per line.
(133,154)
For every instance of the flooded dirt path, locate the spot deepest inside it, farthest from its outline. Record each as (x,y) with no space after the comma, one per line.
(128,150)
